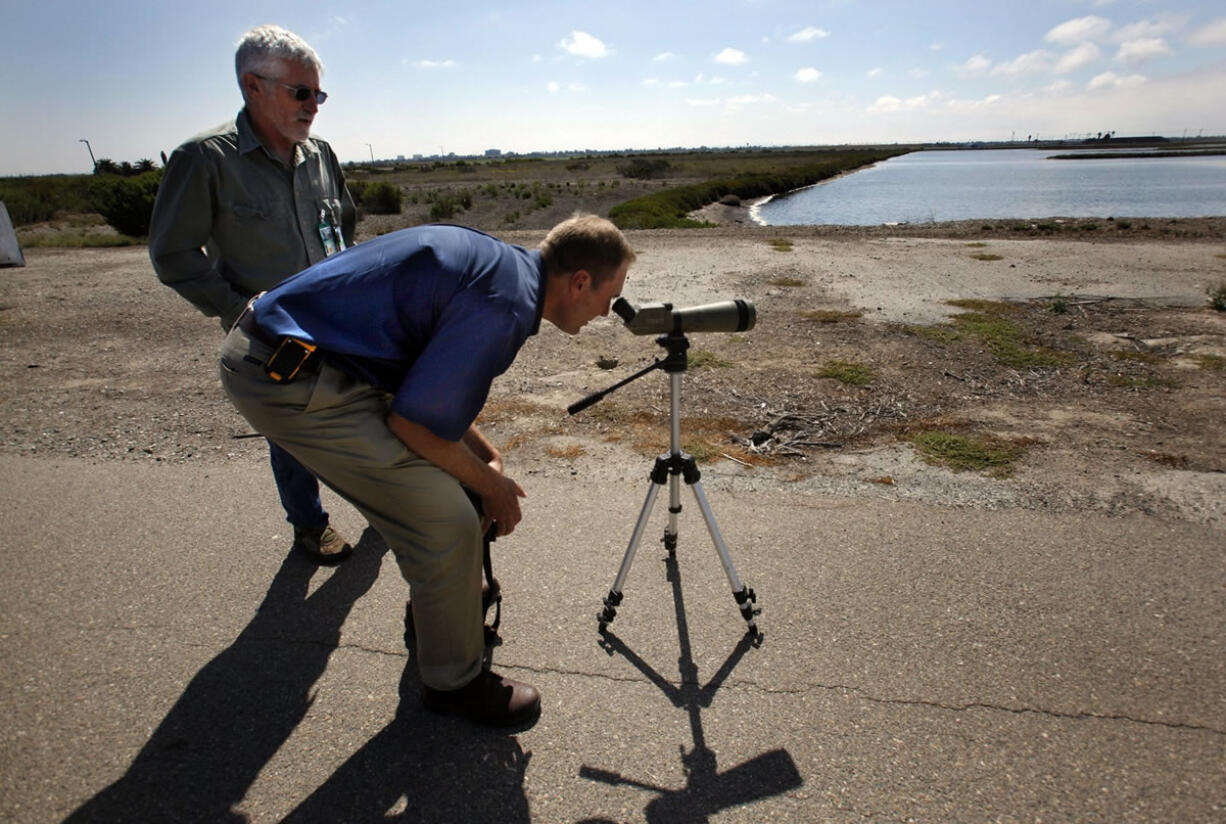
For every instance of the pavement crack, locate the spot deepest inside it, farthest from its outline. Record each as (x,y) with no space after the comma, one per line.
(701,689)
(1018,710)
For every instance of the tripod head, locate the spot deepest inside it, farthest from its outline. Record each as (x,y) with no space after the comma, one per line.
(676,361)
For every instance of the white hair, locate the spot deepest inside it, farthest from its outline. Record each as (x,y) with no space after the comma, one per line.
(261,47)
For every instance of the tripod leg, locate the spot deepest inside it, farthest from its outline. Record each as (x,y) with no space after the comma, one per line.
(745,598)
(674,509)
(615,594)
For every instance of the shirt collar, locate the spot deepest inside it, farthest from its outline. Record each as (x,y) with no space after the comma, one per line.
(249,141)
(535,254)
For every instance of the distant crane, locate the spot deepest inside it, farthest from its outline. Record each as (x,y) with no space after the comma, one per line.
(372,154)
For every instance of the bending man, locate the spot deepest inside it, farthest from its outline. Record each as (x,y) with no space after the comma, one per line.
(371,367)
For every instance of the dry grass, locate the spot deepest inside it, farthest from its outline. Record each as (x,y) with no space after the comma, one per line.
(832,315)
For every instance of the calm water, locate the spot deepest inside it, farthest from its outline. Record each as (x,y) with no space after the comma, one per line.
(1009,183)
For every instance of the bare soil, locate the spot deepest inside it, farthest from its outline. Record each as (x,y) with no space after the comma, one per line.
(103,363)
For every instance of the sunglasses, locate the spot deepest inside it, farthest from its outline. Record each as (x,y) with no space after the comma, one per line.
(301,93)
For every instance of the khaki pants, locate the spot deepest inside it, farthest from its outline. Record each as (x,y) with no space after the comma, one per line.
(335,425)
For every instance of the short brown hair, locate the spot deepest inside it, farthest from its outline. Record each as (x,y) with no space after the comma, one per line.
(585,242)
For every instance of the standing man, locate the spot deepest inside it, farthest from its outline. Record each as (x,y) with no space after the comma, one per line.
(371,367)
(248,204)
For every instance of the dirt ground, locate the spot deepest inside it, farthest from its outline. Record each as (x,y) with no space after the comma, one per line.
(1113,397)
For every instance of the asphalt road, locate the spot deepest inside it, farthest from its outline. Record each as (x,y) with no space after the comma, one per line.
(163,659)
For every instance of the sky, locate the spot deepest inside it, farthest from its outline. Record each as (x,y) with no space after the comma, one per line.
(408,78)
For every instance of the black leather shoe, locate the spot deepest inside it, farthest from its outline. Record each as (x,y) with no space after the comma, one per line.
(487,699)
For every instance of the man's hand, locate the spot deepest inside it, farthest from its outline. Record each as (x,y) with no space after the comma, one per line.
(501,505)
(474,462)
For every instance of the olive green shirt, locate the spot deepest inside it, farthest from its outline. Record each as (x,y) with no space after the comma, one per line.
(232,220)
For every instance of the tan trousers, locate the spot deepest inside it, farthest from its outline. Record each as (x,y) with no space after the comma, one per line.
(336,426)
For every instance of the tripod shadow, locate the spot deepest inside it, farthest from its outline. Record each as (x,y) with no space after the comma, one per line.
(707,791)
(424,768)
(242,706)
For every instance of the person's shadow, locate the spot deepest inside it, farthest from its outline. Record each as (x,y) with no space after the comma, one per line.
(243,705)
(424,768)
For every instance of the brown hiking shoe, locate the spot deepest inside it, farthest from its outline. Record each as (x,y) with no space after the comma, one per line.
(325,545)
(489,698)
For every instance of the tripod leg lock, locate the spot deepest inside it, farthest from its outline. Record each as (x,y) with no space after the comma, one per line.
(611,602)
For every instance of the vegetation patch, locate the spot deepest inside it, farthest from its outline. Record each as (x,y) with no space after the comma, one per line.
(787,282)
(780,244)
(974,453)
(567,453)
(989,326)
(986,256)
(831,315)
(1217,295)
(976,245)
(848,372)
(705,359)
(1216,363)
(75,240)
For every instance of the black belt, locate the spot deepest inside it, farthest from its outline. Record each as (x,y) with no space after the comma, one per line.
(291,358)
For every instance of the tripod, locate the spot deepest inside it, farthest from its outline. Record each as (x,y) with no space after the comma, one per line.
(672,468)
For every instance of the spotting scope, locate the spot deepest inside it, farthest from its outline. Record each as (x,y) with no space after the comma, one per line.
(661,318)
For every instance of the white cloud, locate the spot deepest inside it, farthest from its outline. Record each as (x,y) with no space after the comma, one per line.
(1078,58)
(663,56)
(1164,25)
(1138,51)
(1212,34)
(807,75)
(1059,87)
(536,58)
(677,84)
(1028,63)
(1110,80)
(889,103)
(582,44)
(936,46)
(1078,30)
(651,82)
(435,64)
(731,57)
(807,34)
(976,65)
(873,72)
(553,86)
(917,73)
(990,99)
(708,101)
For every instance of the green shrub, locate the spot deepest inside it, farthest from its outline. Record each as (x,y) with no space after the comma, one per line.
(35,199)
(1217,297)
(643,168)
(382,199)
(126,203)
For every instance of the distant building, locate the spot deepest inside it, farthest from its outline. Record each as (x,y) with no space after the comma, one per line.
(493,152)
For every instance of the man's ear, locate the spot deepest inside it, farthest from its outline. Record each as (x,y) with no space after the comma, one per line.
(251,84)
(580,280)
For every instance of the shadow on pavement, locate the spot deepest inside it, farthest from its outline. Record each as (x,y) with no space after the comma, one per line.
(707,791)
(424,768)
(243,705)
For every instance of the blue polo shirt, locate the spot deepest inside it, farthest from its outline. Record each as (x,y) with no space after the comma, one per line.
(431,314)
